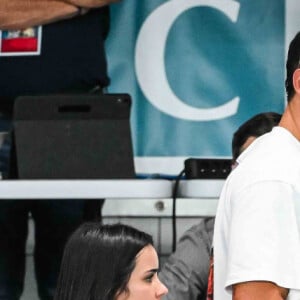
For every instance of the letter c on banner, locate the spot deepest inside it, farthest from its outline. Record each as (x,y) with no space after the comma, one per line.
(150,67)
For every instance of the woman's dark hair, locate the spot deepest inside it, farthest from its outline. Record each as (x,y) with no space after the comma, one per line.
(292,64)
(98,261)
(256,126)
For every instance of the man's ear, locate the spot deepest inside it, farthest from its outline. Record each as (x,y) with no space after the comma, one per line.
(296,81)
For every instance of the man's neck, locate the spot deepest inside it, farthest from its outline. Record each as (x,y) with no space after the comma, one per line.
(291,117)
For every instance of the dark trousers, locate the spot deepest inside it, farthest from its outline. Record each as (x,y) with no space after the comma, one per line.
(54,221)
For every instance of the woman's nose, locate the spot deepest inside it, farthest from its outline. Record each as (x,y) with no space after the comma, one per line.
(161,289)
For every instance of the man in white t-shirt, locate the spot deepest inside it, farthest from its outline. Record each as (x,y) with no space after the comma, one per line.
(257,227)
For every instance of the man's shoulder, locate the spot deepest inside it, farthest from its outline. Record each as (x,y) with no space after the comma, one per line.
(273,155)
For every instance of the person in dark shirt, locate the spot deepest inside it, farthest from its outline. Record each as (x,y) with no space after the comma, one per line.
(47,47)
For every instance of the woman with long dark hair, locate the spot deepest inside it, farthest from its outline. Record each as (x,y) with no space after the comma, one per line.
(109,262)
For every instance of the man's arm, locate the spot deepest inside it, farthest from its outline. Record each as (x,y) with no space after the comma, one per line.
(20,14)
(258,290)
(90,3)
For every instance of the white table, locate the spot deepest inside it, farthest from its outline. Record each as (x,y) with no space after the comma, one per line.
(200,194)
(197,197)
(201,188)
(85,189)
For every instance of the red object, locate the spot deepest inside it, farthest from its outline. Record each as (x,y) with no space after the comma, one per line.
(19,45)
(210,286)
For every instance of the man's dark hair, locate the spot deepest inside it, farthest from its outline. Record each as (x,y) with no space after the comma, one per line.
(98,261)
(256,126)
(292,64)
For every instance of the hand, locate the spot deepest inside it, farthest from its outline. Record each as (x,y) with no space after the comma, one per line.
(20,14)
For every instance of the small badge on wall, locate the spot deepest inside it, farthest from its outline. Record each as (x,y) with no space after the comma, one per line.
(21,42)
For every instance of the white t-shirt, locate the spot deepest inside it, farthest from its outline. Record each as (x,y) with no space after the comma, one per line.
(257,227)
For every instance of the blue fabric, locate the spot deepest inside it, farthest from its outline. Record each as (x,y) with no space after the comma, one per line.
(203,57)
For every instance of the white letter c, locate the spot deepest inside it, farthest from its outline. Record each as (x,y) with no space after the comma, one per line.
(149,60)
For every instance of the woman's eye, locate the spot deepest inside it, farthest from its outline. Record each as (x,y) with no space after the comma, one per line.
(149,278)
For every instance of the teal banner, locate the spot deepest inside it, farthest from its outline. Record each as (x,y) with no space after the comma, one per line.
(196,70)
